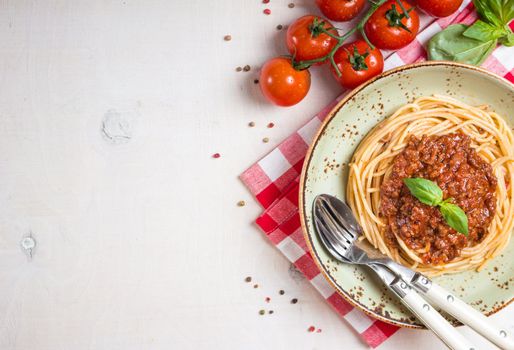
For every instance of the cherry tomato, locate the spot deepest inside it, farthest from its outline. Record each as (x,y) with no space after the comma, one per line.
(390,28)
(306,41)
(282,84)
(357,63)
(340,10)
(439,8)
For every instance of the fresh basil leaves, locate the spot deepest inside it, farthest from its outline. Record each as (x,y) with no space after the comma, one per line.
(497,12)
(473,44)
(424,190)
(483,31)
(451,45)
(455,217)
(429,193)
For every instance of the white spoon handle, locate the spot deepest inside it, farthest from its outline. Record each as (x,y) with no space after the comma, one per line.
(430,317)
(463,312)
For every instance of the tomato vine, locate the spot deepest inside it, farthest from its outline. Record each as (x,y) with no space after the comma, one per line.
(318,26)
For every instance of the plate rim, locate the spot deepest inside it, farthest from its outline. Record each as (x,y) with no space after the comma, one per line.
(307,161)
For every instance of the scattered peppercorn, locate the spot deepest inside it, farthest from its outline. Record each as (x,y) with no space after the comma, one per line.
(248,279)
(216,155)
(251,124)
(247,68)
(281,292)
(227,37)
(268,299)
(267,12)
(255,286)
(279,27)
(256,81)
(262,312)
(265,140)
(311,329)
(241,203)
(270,125)
(270,312)
(238,69)
(294,301)
(291,5)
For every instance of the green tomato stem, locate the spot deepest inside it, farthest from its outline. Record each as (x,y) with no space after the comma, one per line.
(330,34)
(336,68)
(399,2)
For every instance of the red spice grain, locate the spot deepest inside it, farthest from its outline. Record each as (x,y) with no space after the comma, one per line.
(265,1)
(267,11)
(268,299)
(270,125)
(318,330)
(311,329)
(216,155)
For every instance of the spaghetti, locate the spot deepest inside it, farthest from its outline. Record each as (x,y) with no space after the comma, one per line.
(372,163)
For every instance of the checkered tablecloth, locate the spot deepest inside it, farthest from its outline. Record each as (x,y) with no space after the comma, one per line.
(274,179)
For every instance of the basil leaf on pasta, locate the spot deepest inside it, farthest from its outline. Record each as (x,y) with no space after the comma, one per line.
(426,191)
(455,217)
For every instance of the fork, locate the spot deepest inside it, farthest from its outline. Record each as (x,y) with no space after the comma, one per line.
(339,230)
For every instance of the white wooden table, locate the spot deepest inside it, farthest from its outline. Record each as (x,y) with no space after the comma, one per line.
(110,111)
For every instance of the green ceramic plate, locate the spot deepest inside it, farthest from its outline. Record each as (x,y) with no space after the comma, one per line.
(489,290)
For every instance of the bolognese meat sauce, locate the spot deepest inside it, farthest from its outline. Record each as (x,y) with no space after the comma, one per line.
(461,173)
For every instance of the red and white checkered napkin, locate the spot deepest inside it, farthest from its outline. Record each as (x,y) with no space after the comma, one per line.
(274,180)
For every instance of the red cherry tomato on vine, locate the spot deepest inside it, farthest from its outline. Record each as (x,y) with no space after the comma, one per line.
(306,40)
(389,27)
(282,84)
(340,10)
(439,8)
(357,63)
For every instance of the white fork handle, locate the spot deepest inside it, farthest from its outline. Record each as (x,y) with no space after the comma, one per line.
(445,300)
(430,317)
